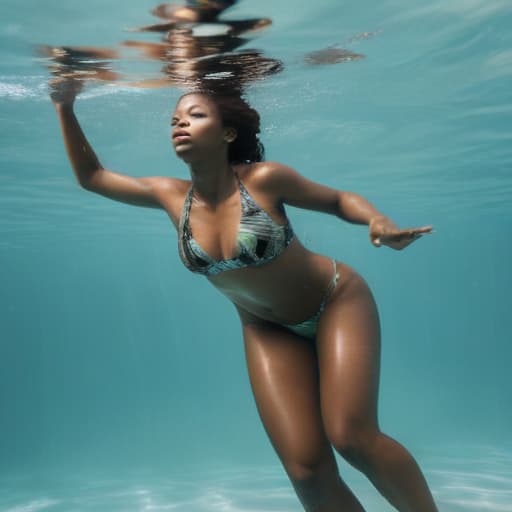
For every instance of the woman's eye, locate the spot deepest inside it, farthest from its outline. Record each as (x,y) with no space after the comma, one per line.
(198,114)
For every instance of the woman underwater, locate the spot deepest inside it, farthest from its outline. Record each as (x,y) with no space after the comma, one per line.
(310,324)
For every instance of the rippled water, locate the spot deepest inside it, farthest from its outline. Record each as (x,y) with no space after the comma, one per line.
(464,478)
(473,478)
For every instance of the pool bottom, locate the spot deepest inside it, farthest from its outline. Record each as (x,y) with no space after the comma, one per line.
(465,478)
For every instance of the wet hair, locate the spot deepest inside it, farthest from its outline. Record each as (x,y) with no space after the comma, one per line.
(236,113)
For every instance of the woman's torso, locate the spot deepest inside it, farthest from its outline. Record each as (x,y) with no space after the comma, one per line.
(287,288)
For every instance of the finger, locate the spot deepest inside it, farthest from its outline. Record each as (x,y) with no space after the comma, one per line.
(409,233)
(376,241)
(424,229)
(396,237)
(402,243)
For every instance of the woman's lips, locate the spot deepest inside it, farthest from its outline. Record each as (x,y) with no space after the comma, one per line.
(181,137)
(180,133)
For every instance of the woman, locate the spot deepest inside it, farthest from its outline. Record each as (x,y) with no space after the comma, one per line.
(310,324)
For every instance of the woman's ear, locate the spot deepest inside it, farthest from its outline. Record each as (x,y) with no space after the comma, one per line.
(230,135)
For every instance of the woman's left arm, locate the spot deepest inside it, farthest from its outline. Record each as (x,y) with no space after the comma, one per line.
(293,189)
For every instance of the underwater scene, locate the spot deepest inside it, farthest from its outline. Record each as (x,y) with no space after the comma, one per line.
(123,377)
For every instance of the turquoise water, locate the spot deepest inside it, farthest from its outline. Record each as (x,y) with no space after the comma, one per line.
(122,376)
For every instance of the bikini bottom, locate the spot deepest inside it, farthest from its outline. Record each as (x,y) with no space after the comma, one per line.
(308,328)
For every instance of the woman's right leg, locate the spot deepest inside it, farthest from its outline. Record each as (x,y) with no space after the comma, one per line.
(284,378)
(348,348)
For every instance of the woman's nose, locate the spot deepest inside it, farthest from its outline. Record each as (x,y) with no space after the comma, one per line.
(182,122)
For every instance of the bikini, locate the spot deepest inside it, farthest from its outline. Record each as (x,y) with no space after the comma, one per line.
(260,240)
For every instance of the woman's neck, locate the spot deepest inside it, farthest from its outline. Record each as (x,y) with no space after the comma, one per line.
(212,181)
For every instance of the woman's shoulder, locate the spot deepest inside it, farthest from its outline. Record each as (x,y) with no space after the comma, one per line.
(262,174)
(170,192)
(170,186)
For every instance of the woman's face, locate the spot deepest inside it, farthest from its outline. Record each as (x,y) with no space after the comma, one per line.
(197,128)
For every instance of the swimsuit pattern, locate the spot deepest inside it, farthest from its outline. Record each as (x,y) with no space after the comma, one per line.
(259,239)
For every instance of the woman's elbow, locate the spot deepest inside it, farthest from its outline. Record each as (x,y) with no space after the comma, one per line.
(88,180)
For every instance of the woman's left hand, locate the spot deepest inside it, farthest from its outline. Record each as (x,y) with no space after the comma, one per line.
(384,231)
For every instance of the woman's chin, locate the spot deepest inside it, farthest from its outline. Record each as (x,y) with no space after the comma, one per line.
(181,147)
(184,152)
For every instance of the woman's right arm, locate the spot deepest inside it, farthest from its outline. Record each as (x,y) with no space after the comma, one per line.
(91,175)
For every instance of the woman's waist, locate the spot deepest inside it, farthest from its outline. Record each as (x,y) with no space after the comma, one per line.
(286,294)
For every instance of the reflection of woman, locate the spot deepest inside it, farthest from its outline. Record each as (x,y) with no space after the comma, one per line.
(211,61)
(193,10)
(310,324)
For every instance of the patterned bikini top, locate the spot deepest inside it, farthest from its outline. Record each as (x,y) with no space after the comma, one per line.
(259,240)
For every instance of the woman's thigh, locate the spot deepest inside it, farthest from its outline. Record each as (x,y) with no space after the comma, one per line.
(283,371)
(348,347)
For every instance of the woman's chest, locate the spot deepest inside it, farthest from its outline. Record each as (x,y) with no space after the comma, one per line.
(216,230)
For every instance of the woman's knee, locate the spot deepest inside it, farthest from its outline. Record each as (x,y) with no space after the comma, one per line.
(302,472)
(355,442)
(310,461)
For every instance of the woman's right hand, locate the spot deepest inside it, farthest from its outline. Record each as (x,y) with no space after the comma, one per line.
(63,91)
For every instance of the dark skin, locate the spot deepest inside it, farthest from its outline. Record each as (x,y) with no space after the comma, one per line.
(314,397)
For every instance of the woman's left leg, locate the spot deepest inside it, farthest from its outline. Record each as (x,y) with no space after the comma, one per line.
(348,346)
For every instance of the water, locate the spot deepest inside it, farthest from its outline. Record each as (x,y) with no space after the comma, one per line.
(122,378)
(479,481)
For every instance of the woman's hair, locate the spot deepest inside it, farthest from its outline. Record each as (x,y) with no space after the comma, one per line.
(236,113)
